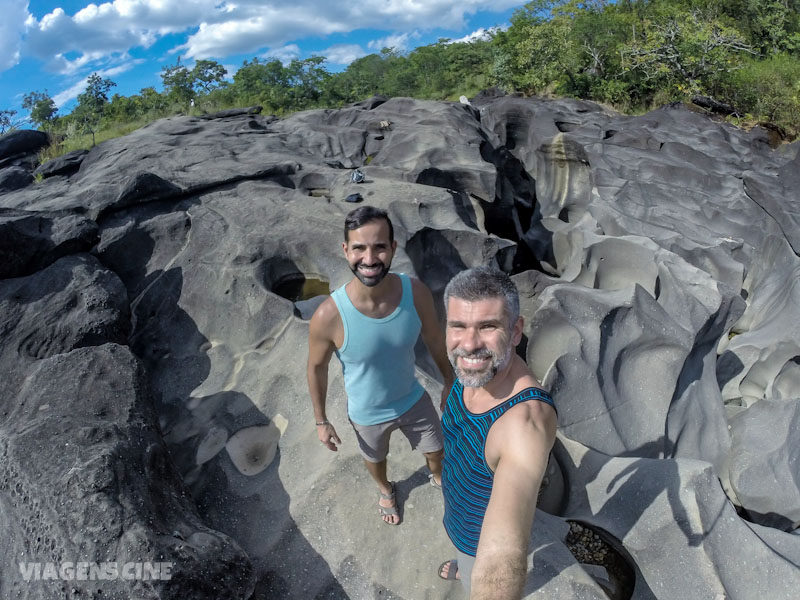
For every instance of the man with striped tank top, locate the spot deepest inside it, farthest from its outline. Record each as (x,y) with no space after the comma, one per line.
(499,427)
(372,324)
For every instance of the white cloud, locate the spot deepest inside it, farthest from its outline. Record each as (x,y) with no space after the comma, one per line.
(285,54)
(343,54)
(266,26)
(61,64)
(480,34)
(229,71)
(398,41)
(217,29)
(111,27)
(12,27)
(72,92)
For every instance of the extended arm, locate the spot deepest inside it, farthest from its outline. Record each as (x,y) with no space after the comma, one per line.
(520,443)
(320,350)
(432,335)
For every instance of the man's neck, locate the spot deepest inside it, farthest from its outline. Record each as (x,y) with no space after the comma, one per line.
(358,291)
(499,388)
(377,301)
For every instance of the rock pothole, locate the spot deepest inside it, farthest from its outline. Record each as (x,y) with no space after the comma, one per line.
(595,550)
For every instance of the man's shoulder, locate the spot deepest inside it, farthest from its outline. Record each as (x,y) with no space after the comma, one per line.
(526,430)
(421,292)
(539,412)
(535,410)
(326,315)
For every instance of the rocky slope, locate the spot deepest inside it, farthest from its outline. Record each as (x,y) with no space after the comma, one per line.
(155,300)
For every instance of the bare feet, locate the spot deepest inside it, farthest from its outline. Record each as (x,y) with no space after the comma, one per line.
(387,507)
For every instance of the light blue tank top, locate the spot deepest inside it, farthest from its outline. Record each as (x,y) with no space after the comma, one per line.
(377,358)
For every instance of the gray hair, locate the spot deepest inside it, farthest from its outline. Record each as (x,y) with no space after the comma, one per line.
(481,283)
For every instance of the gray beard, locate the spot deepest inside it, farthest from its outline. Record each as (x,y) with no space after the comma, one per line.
(479,378)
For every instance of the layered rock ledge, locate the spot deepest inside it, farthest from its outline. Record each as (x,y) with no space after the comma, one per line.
(155,299)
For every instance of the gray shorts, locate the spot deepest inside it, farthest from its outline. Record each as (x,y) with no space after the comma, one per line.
(420,424)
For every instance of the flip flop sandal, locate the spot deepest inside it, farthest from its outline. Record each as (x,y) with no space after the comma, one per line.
(388,511)
(432,481)
(451,572)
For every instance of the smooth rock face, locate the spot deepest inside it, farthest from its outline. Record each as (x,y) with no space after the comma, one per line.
(156,296)
(105,487)
(764,457)
(22,141)
(30,241)
(14,178)
(85,474)
(63,165)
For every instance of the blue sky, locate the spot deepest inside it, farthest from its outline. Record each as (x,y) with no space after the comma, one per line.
(55,45)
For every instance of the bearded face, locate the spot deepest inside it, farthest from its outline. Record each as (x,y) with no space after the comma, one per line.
(369,252)
(477,368)
(480,341)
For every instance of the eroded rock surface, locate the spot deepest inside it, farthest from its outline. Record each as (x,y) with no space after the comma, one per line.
(156,297)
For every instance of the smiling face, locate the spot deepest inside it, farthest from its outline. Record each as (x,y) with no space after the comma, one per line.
(480,342)
(369,251)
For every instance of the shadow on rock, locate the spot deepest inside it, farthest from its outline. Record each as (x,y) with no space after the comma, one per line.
(226,449)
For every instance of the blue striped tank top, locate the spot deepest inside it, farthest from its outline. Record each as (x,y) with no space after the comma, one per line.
(466,478)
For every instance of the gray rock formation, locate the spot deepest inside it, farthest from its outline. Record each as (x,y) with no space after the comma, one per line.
(21,143)
(66,164)
(156,293)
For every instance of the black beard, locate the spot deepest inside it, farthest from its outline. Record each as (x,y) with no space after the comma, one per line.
(370,281)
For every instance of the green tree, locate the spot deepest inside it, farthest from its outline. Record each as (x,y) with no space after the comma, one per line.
(771,26)
(685,52)
(264,82)
(307,78)
(428,65)
(92,103)
(364,77)
(151,102)
(207,75)
(41,107)
(95,96)
(5,119)
(178,83)
(467,67)
(398,76)
(766,90)
(255,76)
(538,50)
(182,85)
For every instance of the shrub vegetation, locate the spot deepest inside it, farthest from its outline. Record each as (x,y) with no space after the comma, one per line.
(631,54)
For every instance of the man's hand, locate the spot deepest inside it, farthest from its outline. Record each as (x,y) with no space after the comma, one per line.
(327,435)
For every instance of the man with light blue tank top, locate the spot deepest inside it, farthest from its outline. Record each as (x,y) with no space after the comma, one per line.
(499,427)
(372,324)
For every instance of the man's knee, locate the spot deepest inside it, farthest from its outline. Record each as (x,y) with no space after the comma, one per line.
(435,455)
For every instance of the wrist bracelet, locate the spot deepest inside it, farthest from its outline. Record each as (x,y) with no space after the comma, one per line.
(325,422)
